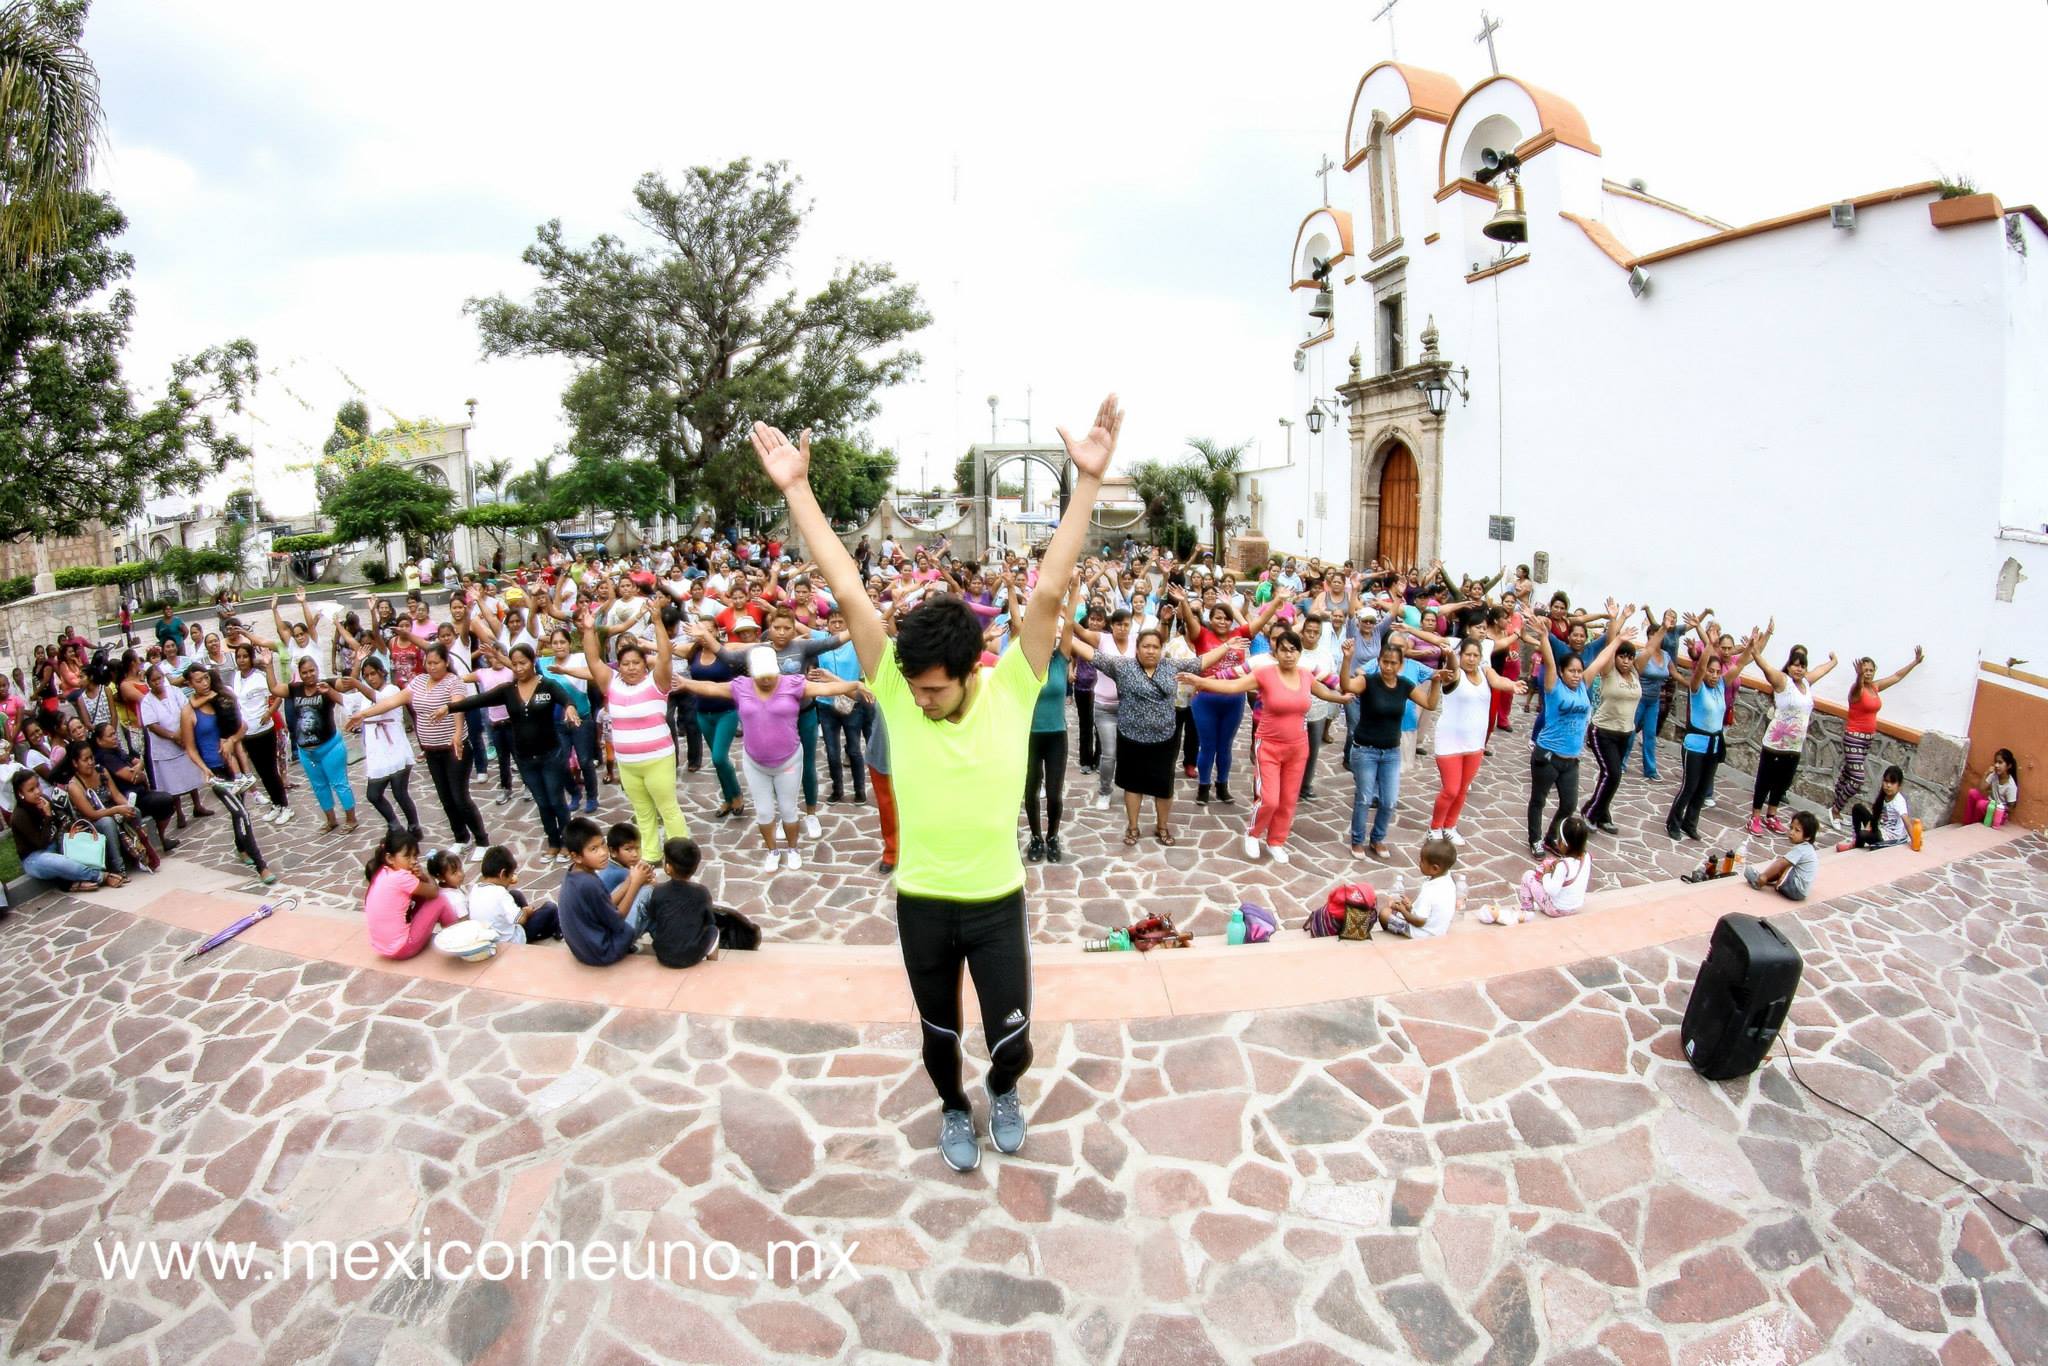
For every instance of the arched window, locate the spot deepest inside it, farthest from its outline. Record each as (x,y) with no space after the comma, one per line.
(1379,169)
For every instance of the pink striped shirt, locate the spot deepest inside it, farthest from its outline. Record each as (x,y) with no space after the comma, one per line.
(639,713)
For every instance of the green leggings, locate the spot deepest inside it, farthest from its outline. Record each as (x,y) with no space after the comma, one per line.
(651,787)
(718,729)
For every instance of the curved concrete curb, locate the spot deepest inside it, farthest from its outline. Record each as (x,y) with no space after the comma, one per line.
(845,984)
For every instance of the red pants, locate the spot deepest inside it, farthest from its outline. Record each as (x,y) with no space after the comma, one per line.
(1503,702)
(885,806)
(1281,762)
(1457,772)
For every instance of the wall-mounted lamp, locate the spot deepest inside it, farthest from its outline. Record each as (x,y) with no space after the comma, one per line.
(1438,380)
(1842,216)
(1318,413)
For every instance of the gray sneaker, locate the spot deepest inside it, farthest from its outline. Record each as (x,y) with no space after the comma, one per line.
(1006,1121)
(957,1143)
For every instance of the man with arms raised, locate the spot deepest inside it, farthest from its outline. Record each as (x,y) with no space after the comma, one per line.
(958,736)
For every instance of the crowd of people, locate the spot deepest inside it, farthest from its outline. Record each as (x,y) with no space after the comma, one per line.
(944,694)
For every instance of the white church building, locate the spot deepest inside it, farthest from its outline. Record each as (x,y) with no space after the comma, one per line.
(1837,416)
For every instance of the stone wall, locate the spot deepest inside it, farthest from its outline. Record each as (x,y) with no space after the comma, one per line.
(92,547)
(29,622)
(1934,767)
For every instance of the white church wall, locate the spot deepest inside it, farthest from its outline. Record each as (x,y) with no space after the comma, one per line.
(1745,438)
(1644,228)
(2024,500)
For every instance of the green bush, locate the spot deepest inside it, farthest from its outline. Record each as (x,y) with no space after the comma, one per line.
(93,576)
(12,590)
(375,570)
(504,515)
(294,545)
(1179,537)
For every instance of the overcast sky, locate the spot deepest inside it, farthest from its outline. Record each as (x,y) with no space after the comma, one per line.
(332,182)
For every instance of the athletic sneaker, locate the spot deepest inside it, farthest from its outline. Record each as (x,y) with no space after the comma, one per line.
(1433,834)
(1034,852)
(1006,1121)
(1712,803)
(475,854)
(1845,846)
(590,807)
(812,830)
(1251,846)
(1280,854)
(1756,825)
(957,1142)
(791,860)
(1454,837)
(1102,801)
(1775,826)
(505,797)
(1052,849)
(772,862)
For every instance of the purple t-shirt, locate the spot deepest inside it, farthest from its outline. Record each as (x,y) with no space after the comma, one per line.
(769,723)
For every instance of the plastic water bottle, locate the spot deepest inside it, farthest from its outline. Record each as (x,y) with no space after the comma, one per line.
(1464,891)
(1234,933)
(1400,884)
(1742,854)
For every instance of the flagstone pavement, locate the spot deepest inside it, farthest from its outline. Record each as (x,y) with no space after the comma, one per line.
(1514,1171)
(839,896)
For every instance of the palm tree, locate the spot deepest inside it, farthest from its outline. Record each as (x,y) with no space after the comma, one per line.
(531,485)
(492,474)
(49,123)
(1212,475)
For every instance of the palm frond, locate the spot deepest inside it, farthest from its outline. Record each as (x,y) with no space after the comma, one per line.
(49,127)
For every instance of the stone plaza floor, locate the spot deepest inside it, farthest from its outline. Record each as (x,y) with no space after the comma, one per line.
(1514,1171)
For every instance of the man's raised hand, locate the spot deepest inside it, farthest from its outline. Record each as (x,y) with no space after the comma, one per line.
(787,465)
(1091,453)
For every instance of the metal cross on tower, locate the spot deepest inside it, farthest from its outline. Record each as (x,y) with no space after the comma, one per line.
(1486,28)
(1324,171)
(1387,13)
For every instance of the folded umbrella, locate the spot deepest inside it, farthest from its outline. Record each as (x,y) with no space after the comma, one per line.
(263,912)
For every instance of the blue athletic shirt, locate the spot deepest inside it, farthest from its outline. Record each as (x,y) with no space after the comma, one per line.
(1566,712)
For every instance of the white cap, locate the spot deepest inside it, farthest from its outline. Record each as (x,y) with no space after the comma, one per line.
(762,663)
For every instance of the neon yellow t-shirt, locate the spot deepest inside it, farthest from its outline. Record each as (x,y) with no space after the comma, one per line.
(959,783)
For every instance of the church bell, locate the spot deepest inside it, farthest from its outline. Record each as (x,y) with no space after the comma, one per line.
(1323,307)
(1508,224)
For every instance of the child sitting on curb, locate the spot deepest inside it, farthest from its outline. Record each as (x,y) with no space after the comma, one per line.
(1889,824)
(401,908)
(679,913)
(598,931)
(1792,875)
(623,840)
(1436,902)
(496,901)
(1558,885)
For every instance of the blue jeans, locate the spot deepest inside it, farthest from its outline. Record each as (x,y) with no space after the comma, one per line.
(543,778)
(475,727)
(1216,717)
(1375,777)
(581,740)
(843,735)
(1649,713)
(51,866)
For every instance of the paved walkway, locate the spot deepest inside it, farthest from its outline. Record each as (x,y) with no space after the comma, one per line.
(1510,1172)
(840,897)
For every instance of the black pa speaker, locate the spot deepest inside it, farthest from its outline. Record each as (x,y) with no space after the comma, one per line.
(1740,998)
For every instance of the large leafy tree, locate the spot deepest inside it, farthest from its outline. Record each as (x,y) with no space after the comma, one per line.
(1212,476)
(492,474)
(681,343)
(592,483)
(849,479)
(385,499)
(49,125)
(77,445)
